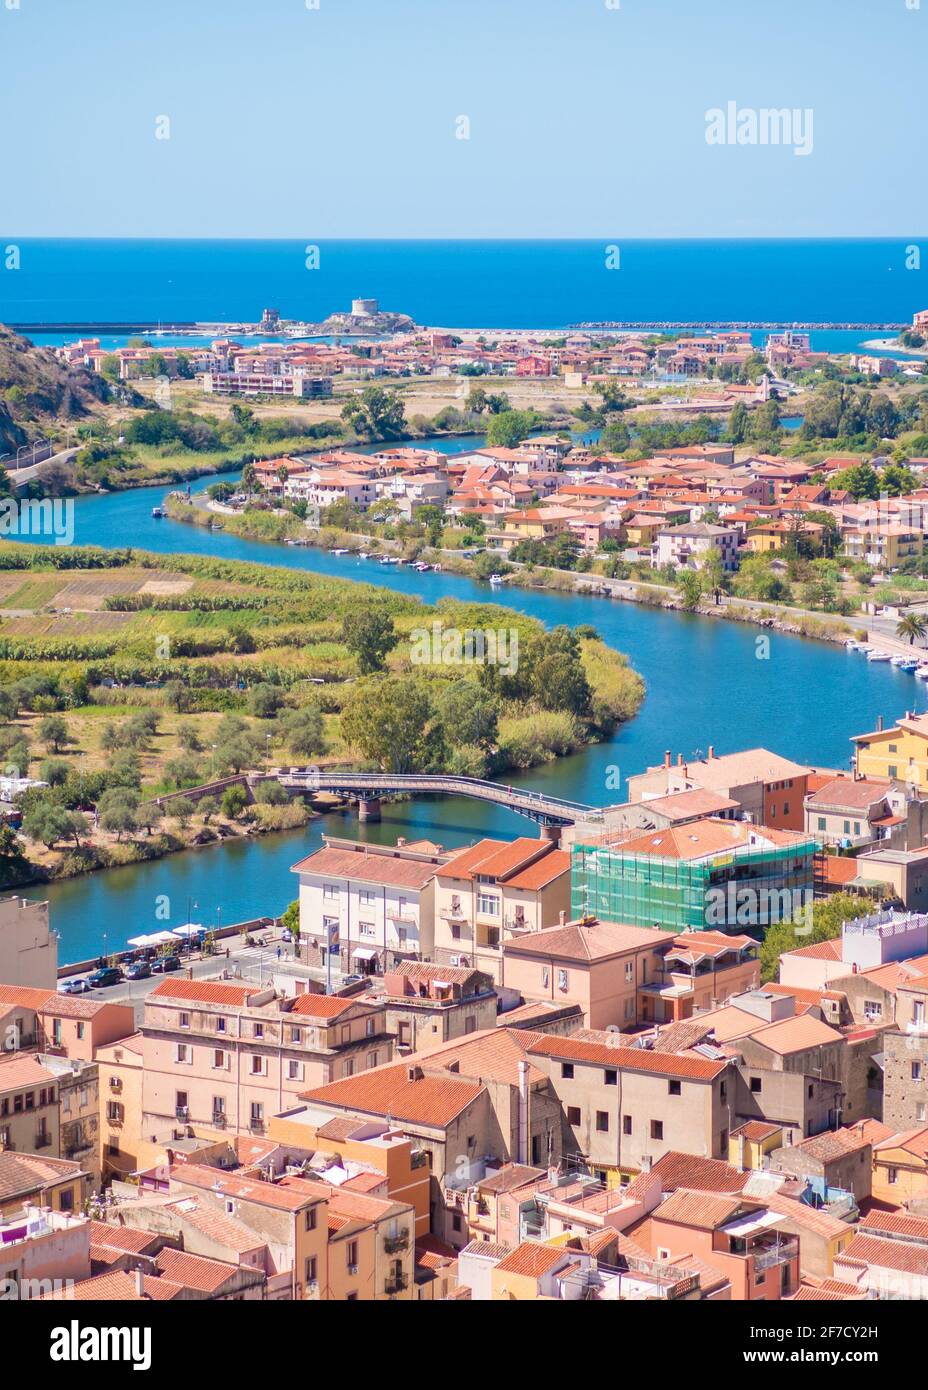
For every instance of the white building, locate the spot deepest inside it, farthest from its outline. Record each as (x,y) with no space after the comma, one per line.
(687,546)
(370,904)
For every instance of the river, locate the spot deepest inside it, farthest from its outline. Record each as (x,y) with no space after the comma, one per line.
(707,683)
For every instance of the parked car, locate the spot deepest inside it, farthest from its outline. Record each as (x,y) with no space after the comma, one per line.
(74,987)
(139,970)
(165,964)
(109,975)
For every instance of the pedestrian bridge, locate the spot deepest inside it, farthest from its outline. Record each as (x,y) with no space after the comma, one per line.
(368,787)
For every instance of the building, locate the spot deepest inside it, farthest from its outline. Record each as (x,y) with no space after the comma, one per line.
(601,966)
(220,1057)
(38,1180)
(767,789)
(28,948)
(493,891)
(293,383)
(428,1004)
(119,1081)
(690,545)
(708,874)
(369,906)
(839,1161)
(29,1116)
(853,811)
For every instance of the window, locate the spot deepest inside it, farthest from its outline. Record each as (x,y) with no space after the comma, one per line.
(567,1071)
(296,1035)
(916,1071)
(219,1059)
(180,1098)
(921,1110)
(294,1071)
(892,770)
(259,1030)
(821,822)
(892,1176)
(258,1066)
(351,1254)
(220,1025)
(311,1269)
(257,1114)
(756,1085)
(629,971)
(673,1088)
(309,1223)
(183,1053)
(330,891)
(488,904)
(545,976)
(184,1020)
(873,1009)
(366,897)
(56,1032)
(611,1078)
(80,1031)
(369,1027)
(562,979)
(219,1106)
(372,1060)
(626,1124)
(657,1129)
(573,1114)
(366,929)
(602,1121)
(629,1008)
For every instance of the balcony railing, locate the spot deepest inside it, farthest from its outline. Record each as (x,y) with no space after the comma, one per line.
(453,914)
(42,1141)
(394,1244)
(396,1284)
(765,1256)
(182,1112)
(219,1119)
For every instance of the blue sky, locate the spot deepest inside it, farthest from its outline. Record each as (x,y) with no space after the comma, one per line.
(340,121)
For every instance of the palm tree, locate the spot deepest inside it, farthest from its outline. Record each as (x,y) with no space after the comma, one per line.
(912,625)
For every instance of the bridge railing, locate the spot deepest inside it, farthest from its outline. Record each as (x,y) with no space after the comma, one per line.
(384,781)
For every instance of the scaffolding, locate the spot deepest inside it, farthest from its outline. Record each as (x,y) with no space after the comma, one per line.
(648,890)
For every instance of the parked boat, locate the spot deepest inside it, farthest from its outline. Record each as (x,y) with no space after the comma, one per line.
(158,512)
(907,665)
(496,580)
(922,673)
(897,660)
(875,655)
(342,550)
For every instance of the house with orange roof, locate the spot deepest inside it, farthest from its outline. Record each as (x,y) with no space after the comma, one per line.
(494,892)
(369,906)
(221,1057)
(427,1004)
(838,1160)
(601,966)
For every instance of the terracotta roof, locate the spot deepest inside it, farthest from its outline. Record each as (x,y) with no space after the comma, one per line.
(848,793)
(702,838)
(819,950)
(432,1253)
(495,859)
(338,1128)
(585,942)
(702,1210)
(532,1259)
(432,1101)
(327,1005)
(796,1034)
(895,1223)
(78,1006)
(904,1256)
(205,991)
(673,1064)
(755,1131)
(690,805)
(367,868)
(25,997)
(194,1271)
(493,1054)
(22,1069)
(416,971)
(265,1194)
(820,1223)
(217,1226)
(120,1286)
(698,1174)
(21,1174)
(542,872)
(511,1177)
(122,1237)
(913,1141)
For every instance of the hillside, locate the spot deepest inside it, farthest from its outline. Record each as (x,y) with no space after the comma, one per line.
(37,392)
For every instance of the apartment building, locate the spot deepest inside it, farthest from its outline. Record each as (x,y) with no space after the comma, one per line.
(899,753)
(905,1056)
(29,1116)
(428,1004)
(119,1068)
(369,906)
(38,1180)
(496,891)
(767,788)
(690,545)
(220,1056)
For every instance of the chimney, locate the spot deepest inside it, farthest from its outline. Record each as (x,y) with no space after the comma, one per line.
(711,752)
(740,1153)
(679,760)
(140,1283)
(523,1111)
(401,841)
(668,757)
(879,723)
(562,918)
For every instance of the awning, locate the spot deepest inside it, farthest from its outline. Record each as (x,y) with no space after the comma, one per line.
(188,929)
(442,984)
(157,938)
(364,953)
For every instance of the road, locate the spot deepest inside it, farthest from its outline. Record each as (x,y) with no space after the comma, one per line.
(20,476)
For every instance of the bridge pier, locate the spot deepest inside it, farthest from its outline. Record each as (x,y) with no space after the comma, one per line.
(552,833)
(369,808)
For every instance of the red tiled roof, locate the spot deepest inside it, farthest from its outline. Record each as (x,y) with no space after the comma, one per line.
(205,991)
(432,1101)
(673,1064)
(532,1259)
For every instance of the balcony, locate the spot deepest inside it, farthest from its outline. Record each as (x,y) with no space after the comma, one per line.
(256,1126)
(42,1141)
(182,1112)
(219,1119)
(396,1284)
(394,1244)
(115,1083)
(454,913)
(765,1256)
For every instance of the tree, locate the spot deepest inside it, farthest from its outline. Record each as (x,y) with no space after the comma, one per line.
(510,427)
(376,413)
(54,733)
(469,714)
(234,801)
(54,771)
(386,719)
(303,730)
(912,626)
(689,590)
(207,807)
(189,738)
(290,921)
(369,634)
(556,678)
(264,700)
(182,809)
(271,793)
(118,811)
(48,823)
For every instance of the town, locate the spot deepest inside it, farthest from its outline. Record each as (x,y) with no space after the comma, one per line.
(677,1050)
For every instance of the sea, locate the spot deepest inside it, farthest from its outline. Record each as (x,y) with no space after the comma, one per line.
(473,283)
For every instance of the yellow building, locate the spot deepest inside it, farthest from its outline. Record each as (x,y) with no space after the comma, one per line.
(883,547)
(749,1145)
(900,1167)
(641,529)
(123,1148)
(40,1181)
(900,753)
